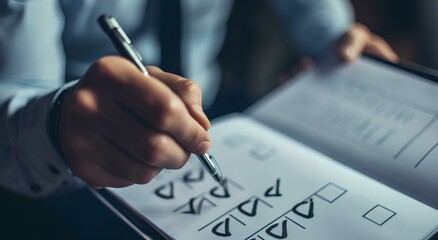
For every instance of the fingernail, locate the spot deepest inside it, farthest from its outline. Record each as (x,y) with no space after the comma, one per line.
(202,147)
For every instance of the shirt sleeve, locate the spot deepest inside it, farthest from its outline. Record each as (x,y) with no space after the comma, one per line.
(313,25)
(31,74)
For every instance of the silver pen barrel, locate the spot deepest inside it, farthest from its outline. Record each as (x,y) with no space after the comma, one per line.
(212,167)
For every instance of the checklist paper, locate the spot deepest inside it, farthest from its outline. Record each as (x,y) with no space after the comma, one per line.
(277,188)
(378,119)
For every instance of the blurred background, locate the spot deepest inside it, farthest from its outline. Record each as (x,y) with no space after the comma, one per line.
(411,27)
(256,56)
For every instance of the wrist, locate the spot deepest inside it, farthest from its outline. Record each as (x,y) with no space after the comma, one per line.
(53,116)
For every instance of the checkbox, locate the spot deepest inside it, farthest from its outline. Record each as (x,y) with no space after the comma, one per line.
(261,152)
(330,192)
(233,143)
(379,215)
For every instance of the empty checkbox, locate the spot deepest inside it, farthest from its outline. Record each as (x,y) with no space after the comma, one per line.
(330,192)
(261,152)
(379,215)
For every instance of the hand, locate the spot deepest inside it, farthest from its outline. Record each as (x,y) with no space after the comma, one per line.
(359,39)
(119,127)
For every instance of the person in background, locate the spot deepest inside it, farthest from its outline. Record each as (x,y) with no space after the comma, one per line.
(114,127)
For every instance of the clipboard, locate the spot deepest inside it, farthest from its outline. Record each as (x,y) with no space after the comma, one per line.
(142,224)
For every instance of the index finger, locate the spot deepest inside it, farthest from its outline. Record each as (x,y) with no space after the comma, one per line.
(187,90)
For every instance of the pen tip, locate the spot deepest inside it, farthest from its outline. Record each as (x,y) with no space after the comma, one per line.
(223,182)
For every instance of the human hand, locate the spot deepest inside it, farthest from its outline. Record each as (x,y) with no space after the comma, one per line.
(359,39)
(118,127)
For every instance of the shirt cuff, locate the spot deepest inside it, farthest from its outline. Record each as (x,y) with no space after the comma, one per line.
(43,169)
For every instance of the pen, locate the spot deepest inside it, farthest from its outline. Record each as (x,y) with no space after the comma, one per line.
(124,45)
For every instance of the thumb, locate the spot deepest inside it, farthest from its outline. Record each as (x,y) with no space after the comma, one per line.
(187,90)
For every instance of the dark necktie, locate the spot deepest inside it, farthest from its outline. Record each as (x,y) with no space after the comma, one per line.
(169,33)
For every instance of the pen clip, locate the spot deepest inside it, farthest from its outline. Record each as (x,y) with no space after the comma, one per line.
(121,41)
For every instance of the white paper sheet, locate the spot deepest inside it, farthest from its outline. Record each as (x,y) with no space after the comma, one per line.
(375,118)
(277,189)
